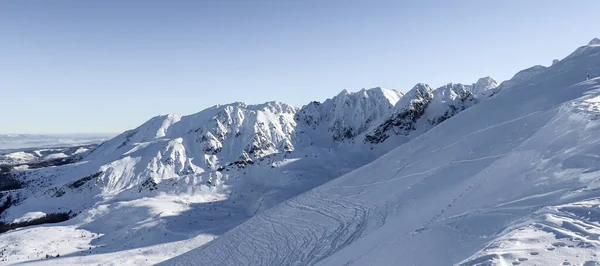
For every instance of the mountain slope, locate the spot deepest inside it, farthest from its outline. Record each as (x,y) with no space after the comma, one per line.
(420,110)
(195,150)
(178,182)
(470,180)
(174,146)
(172,173)
(185,178)
(228,162)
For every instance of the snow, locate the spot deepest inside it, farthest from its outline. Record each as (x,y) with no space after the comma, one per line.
(112,232)
(18,157)
(475,174)
(33,155)
(348,114)
(37,242)
(235,161)
(522,77)
(56,156)
(421,109)
(472,180)
(483,85)
(565,234)
(29,216)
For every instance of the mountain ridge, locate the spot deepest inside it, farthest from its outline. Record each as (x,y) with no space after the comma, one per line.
(514,187)
(177,182)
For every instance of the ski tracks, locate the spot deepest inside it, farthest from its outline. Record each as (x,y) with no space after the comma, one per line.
(312,227)
(466,137)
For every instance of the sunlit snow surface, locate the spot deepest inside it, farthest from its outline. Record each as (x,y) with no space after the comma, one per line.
(510,180)
(493,185)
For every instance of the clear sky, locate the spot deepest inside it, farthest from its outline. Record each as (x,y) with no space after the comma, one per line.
(108,66)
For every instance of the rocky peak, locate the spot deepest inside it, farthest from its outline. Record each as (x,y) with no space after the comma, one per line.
(404,115)
(348,114)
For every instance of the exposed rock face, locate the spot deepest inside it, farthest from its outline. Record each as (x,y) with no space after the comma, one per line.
(348,114)
(405,115)
(422,108)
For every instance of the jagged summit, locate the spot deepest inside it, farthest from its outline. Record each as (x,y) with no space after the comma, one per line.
(390,94)
(421,93)
(172,146)
(420,109)
(418,89)
(260,106)
(348,114)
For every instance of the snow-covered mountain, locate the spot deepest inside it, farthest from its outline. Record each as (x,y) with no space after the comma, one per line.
(421,109)
(34,155)
(246,158)
(282,185)
(516,186)
(173,146)
(348,114)
(483,85)
(197,149)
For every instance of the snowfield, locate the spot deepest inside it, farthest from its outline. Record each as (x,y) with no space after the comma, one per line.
(474,190)
(481,174)
(33,155)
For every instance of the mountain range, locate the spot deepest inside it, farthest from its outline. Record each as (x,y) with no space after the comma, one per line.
(471,174)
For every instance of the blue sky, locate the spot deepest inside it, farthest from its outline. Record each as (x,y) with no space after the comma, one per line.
(108,66)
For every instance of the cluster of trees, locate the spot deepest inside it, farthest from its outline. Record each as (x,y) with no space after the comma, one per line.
(49,218)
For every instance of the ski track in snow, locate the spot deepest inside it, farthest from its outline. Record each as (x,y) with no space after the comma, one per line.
(329,223)
(390,180)
(486,129)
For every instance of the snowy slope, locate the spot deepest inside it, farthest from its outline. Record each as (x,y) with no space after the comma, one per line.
(518,185)
(195,150)
(176,182)
(228,162)
(173,146)
(36,155)
(183,179)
